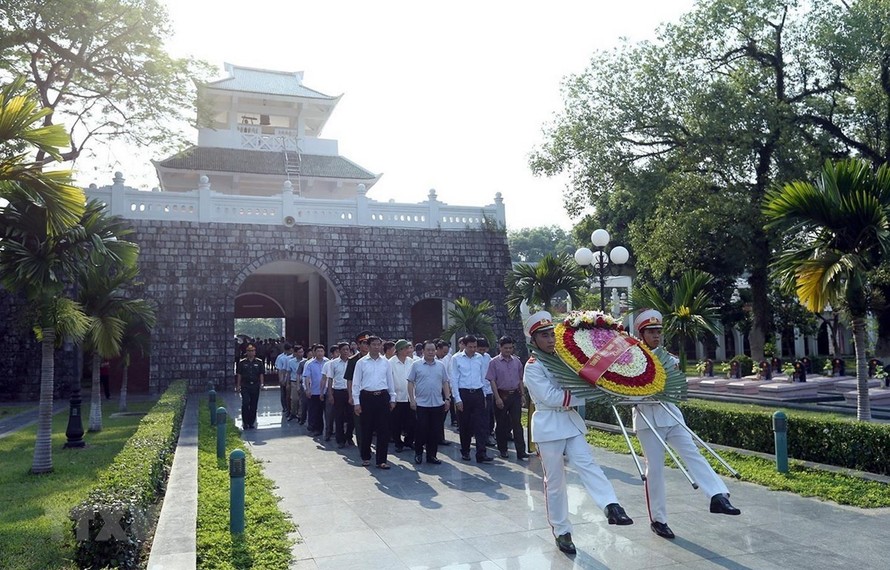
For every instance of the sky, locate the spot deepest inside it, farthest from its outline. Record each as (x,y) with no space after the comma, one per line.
(445,95)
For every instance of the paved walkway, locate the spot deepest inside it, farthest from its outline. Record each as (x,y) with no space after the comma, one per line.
(460,515)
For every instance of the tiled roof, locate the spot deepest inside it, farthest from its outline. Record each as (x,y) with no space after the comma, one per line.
(208,159)
(268,82)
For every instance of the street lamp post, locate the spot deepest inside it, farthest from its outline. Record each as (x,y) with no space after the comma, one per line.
(601,263)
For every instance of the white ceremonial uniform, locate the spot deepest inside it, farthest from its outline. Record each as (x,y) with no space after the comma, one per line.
(557,429)
(675,435)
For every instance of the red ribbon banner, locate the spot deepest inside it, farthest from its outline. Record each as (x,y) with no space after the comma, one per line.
(603,358)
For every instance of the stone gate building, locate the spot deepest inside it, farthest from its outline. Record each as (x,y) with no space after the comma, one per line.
(263,218)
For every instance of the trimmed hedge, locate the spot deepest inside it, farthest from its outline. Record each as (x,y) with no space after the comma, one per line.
(112,524)
(812,436)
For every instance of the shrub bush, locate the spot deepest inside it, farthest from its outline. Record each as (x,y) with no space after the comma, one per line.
(112,524)
(812,436)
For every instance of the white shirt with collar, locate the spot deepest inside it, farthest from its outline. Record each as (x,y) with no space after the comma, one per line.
(373,375)
(400,376)
(466,372)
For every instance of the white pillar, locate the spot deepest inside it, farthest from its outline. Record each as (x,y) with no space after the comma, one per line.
(501,212)
(699,350)
(720,353)
(739,341)
(362,217)
(314,312)
(798,344)
(119,202)
(205,208)
(433,217)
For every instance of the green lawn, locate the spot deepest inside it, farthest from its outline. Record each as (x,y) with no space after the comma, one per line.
(265,544)
(9,410)
(35,532)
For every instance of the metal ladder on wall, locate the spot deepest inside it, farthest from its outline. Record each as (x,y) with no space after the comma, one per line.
(293,167)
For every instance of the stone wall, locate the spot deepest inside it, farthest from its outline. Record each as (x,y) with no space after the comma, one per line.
(193,271)
(20,355)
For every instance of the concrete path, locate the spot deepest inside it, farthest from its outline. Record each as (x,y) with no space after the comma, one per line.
(26,418)
(460,515)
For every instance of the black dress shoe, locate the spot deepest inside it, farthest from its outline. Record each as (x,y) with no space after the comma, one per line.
(720,504)
(418,458)
(504,455)
(434,460)
(465,456)
(661,529)
(615,515)
(445,442)
(564,543)
(524,456)
(484,459)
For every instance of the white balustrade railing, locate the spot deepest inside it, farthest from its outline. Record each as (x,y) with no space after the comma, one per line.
(205,205)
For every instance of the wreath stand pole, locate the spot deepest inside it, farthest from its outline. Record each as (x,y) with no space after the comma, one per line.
(702,442)
(629,445)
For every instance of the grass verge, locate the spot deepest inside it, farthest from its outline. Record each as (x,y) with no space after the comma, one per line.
(801,480)
(265,543)
(9,410)
(35,531)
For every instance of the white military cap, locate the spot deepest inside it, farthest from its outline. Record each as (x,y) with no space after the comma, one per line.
(540,321)
(648,319)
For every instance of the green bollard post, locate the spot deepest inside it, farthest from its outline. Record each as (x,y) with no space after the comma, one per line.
(221,432)
(211,400)
(237,470)
(780,428)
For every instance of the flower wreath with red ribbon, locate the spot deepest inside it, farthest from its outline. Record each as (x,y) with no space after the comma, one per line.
(596,359)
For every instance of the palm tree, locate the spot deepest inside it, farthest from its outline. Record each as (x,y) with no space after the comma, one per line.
(40,264)
(839,231)
(536,284)
(470,318)
(101,292)
(24,180)
(688,313)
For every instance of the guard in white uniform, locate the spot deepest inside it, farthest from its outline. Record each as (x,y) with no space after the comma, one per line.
(557,429)
(648,325)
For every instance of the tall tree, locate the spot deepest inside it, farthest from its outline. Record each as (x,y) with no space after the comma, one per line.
(100,67)
(841,232)
(532,244)
(102,292)
(40,265)
(39,239)
(538,283)
(687,310)
(715,104)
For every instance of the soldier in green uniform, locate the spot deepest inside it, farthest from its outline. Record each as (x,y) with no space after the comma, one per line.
(248,380)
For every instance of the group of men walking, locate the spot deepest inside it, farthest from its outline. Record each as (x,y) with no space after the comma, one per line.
(401,394)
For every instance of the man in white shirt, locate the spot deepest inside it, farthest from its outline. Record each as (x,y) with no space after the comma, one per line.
(335,388)
(402,417)
(467,380)
(374,394)
(281,368)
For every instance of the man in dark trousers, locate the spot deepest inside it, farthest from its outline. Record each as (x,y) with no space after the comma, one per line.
(248,380)
(361,344)
(374,394)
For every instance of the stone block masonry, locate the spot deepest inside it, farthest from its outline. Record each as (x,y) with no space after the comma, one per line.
(192,271)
